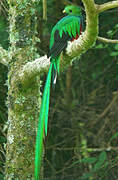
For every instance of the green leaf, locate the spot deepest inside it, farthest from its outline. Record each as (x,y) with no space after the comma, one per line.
(101,159)
(106,164)
(74,163)
(114,136)
(89,160)
(97,166)
(110,33)
(86,175)
(116,47)
(116,26)
(100,46)
(103,156)
(114,53)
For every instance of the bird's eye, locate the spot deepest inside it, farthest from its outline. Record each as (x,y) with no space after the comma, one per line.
(70,10)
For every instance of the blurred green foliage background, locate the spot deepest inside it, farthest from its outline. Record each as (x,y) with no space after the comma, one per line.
(82,142)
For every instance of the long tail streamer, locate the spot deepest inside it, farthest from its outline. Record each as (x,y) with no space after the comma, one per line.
(42,124)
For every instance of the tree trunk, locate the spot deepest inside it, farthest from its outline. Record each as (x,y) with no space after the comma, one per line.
(22,100)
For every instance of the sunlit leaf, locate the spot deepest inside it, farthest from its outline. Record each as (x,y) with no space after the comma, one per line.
(100,46)
(114,53)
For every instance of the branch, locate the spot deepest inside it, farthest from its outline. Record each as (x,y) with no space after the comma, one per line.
(32,69)
(4,58)
(109,106)
(101,8)
(45,10)
(105,40)
(106,6)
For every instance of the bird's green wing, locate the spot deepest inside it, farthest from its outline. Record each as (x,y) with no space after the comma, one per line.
(69,24)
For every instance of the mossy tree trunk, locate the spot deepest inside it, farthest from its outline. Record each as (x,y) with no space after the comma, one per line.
(22,100)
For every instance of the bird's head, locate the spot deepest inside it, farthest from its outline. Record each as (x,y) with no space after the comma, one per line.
(72,10)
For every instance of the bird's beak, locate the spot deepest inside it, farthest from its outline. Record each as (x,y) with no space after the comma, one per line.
(64,11)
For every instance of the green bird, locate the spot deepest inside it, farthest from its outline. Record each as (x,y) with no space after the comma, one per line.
(67,29)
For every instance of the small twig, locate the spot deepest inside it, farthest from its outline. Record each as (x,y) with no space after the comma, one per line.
(108,107)
(105,40)
(109,148)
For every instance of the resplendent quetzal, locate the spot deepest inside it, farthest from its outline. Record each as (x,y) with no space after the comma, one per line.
(67,29)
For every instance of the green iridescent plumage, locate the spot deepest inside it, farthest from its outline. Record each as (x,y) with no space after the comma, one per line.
(69,24)
(67,29)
